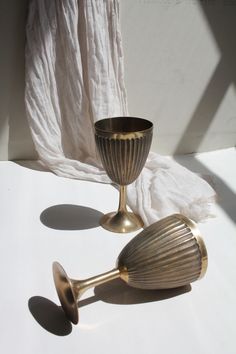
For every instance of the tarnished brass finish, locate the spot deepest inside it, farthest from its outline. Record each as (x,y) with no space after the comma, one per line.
(123,144)
(167,254)
(69,290)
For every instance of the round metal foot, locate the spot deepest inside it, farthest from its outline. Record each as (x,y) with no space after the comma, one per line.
(121,222)
(65,293)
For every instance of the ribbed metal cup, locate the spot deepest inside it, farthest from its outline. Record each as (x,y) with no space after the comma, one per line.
(123,144)
(168,254)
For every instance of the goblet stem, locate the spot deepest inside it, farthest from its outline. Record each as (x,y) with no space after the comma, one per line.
(70,290)
(80,286)
(122,201)
(122,220)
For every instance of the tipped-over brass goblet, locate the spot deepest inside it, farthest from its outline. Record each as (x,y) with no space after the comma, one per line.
(123,144)
(168,254)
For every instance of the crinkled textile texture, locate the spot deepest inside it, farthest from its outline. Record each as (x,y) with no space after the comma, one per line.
(75,76)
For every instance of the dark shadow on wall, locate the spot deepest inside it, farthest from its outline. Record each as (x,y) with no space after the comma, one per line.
(13,15)
(206,109)
(221,17)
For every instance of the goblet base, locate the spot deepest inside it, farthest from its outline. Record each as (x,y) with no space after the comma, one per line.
(121,222)
(65,293)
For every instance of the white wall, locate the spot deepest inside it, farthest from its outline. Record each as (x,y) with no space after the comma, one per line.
(180,66)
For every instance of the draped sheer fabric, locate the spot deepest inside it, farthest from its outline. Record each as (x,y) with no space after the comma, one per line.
(75,76)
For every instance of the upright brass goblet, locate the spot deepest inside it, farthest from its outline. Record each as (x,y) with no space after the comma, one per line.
(168,254)
(123,144)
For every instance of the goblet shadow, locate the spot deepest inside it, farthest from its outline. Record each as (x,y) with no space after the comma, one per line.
(50,316)
(118,292)
(53,319)
(70,217)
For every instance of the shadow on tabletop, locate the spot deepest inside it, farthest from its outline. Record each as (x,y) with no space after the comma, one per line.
(70,217)
(119,293)
(52,318)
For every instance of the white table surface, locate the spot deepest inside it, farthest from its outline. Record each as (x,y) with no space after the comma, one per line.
(44,218)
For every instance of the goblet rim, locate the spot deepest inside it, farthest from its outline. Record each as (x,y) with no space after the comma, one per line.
(121,132)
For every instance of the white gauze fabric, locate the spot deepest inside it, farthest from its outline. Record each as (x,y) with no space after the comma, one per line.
(75,76)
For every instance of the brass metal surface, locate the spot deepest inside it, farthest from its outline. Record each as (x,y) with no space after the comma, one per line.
(200,242)
(123,144)
(65,292)
(69,290)
(167,254)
